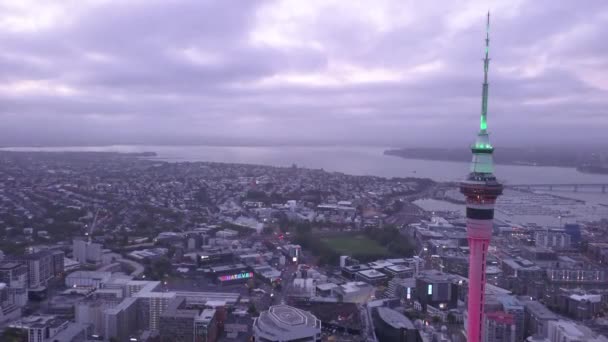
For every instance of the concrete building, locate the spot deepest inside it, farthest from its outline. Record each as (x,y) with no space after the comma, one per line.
(404,289)
(282,323)
(499,327)
(567,331)
(580,306)
(151,304)
(121,320)
(537,317)
(399,271)
(8,310)
(90,312)
(42,266)
(372,277)
(85,251)
(523,277)
(87,279)
(514,307)
(14,275)
(181,323)
(354,292)
(552,238)
(206,326)
(41,328)
(349,271)
(437,289)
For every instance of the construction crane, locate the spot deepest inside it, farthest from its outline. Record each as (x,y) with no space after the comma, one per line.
(89,233)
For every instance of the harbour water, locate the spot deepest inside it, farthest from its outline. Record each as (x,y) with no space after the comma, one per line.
(354,160)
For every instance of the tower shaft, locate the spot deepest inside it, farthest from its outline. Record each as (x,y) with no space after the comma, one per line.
(481,190)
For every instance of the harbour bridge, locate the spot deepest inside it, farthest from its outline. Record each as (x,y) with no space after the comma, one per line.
(575,187)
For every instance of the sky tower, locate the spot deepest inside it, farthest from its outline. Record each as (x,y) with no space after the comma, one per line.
(481,190)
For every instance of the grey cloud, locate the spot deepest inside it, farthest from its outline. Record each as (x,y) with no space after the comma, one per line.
(133,85)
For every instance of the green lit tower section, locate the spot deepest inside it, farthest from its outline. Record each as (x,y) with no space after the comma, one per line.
(482,149)
(481,190)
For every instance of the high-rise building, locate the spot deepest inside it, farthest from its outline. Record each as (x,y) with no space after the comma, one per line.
(481,190)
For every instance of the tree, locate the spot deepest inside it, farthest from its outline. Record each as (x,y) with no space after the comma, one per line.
(252,309)
(159,268)
(303,228)
(14,335)
(451,318)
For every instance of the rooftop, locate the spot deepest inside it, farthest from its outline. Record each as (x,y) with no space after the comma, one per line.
(372,274)
(394,318)
(283,322)
(500,317)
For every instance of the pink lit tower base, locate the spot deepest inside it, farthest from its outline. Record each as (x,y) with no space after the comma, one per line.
(481,190)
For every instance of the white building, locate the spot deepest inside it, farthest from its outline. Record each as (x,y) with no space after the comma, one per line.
(87,279)
(227,234)
(285,323)
(304,287)
(354,292)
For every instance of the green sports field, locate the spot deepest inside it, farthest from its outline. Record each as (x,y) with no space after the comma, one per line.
(354,245)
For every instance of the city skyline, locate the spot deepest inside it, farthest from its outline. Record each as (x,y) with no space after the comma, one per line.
(283,72)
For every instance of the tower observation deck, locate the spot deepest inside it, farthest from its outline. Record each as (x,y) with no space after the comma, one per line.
(481,190)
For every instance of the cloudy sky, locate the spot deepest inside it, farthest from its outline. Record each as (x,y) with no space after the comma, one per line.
(383,72)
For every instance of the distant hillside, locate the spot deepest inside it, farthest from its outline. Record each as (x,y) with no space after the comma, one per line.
(584,160)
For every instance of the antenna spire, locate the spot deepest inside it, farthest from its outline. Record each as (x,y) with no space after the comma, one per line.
(483,125)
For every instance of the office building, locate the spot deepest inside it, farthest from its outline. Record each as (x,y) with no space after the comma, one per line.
(285,323)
